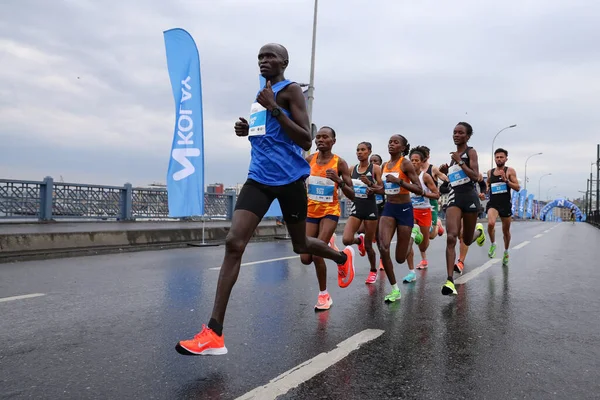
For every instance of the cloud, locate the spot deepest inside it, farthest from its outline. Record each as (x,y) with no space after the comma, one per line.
(84,90)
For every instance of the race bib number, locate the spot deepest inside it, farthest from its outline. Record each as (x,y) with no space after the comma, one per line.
(391,188)
(258,120)
(499,188)
(360,189)
(419,201)
(457,176)
(320,189)
(379,198)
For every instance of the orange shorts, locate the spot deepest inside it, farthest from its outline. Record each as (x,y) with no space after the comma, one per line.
(423,217)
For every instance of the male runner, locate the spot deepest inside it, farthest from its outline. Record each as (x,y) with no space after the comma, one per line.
(278,132)
(328,172)
(500,181)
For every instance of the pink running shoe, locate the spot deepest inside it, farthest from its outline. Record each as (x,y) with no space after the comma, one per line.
(372,278)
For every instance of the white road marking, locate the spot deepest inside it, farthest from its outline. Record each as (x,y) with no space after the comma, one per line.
(24,296)
(472,274)
(305,371)
(521,245)
(261,261)
(538,236)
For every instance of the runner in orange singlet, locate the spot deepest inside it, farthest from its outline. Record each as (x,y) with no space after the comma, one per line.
(328,172)
(398,211)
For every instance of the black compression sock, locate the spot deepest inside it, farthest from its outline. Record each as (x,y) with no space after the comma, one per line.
(451,279)
(215,327)
(345,258)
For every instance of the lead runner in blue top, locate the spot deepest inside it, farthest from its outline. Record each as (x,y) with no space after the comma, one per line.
(278,130)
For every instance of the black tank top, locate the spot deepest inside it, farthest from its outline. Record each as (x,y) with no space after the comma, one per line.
(499,190)
(468,186)
(430,172)
(360,195)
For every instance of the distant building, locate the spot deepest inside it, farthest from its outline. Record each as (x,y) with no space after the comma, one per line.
(236,189)
(215,188)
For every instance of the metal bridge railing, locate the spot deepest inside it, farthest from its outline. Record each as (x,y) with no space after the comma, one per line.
(48,200)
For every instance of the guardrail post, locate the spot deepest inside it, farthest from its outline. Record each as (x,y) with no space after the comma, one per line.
(232,197)
(46,191)
(126,209)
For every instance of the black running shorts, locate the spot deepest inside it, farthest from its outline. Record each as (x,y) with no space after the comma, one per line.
(504,210)
(468,202)
(365,211)
(257,198)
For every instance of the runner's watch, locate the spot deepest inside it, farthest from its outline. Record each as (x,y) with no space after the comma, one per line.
(276,112)
(461,162)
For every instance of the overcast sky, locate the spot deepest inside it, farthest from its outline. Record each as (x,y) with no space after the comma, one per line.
(85,93)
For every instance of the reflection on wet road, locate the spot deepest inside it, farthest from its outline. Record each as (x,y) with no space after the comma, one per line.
(104,327)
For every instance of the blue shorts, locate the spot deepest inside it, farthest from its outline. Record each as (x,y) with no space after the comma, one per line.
(318,220)
(402,213)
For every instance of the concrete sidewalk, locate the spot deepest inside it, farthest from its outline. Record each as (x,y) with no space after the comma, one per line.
(66,239)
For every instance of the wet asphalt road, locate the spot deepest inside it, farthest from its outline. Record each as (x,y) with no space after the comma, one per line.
(107,325)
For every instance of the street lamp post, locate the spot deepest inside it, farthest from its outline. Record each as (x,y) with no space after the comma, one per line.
(540,185)
(494,141)
(533,155)
(311,85)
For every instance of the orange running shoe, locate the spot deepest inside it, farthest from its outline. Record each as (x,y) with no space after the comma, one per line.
(346,270)
(381,267)
(361,246)
(422,265)
(323,302)
(205,343)
(459,266)
(332,242)
(440,228)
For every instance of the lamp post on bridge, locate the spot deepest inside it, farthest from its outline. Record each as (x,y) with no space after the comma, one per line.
(533,155)
(311,85)
(494,141)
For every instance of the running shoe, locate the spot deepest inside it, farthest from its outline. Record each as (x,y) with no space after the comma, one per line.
(411,277)
(372,278)
(448,288)
(393,296)
(332,243)
(481,237)
(346,270)
(492,252)
(422,265)
(323,302)
(416,235)
(505,259)
(381,267)
(205,343)
(440,228)
(361,246)
(459,266)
